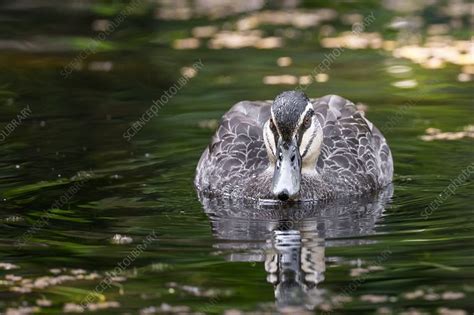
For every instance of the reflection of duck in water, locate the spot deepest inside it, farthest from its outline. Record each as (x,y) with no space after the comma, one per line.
(295,265)
(291,241)
(295,148)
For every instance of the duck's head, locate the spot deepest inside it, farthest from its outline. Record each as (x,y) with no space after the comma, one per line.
(293,138)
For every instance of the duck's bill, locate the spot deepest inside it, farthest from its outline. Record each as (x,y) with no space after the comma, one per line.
(287,175)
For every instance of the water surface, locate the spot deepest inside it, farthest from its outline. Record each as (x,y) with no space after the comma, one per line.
(79,200)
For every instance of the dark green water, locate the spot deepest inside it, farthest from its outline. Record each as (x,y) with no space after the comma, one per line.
(69,181)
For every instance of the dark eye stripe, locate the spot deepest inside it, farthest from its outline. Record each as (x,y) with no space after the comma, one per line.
(303,129)
(307,118)
(309,144)
(274,130)
(300,135)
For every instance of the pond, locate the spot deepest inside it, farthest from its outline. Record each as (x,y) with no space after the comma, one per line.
(99,212)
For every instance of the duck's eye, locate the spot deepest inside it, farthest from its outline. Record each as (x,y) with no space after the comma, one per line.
(307,122)
(272,125)
(307,119)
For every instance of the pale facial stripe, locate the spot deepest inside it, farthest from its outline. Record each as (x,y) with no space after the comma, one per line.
(268,139)
(274,123)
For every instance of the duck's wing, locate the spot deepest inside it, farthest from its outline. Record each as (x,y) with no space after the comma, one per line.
(237,149)
(353,149)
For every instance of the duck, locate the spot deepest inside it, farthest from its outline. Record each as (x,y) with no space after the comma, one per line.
(294,149)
